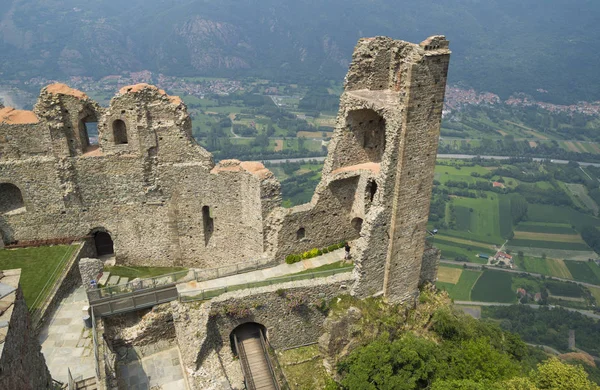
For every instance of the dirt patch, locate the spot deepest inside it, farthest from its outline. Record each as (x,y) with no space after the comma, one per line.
(594,147)
(502,133)
(449,275)
(571,146)
(547,237)
(278,145)
(232,116)
(533,144)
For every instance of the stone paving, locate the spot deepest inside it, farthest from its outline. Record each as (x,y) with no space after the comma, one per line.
(161,370)
(264,274)
(66,342)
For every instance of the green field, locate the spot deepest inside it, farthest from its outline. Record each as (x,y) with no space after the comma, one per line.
(542,227)
(571,246)
(451,250)
(477,219)
(556,214)
(461,291)
(506,223)
(40,267)
(582,271)
(494,286)
(565,289)
(548,267)
(443,173)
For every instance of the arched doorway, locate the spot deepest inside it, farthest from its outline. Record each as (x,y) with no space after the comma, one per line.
(10,198)
(357,224)
(104,243)
(246,331)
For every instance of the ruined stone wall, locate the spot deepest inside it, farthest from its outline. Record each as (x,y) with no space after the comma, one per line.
(164,202)
(291,313)
(416,169)
(146,184)
(430,264)
(22,365)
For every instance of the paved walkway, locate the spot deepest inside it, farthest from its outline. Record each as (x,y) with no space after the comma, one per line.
(66,343)
(260,275)
(159,371)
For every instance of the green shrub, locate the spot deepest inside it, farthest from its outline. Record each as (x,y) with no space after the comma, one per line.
(333,247)
(314,252)
(291,259)
(325,250)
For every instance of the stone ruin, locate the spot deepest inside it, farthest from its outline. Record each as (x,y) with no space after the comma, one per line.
(150,195)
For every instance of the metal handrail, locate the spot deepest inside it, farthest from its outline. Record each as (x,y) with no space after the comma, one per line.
(269,364)
(71,382)
(95,340)
(179,277)
(239,347)
(202,294)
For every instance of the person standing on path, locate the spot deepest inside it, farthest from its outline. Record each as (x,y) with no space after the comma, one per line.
(347,249)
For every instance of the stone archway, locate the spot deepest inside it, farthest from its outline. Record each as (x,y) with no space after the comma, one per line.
(103,242)
(11,198)
(246,330)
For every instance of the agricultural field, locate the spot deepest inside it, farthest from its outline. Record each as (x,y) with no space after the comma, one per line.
(548,245)
(520,235)
(449,275)
(550,267)
(460,291)
(545,227)
(583,271)
(451,249)
(494,286)
(580,193)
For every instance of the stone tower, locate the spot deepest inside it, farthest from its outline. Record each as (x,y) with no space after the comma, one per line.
(387,133)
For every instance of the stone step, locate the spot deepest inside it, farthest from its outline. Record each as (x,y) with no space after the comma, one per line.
(104,278)
(113,280)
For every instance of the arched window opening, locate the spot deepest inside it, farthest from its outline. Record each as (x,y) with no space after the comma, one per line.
(368,128)
(246,333)
(357,224)
(208,224)
(119,132)
(11,198)
(301,233)
(104,243)
(371,190)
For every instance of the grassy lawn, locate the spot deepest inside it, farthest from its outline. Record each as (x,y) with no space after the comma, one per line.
(310,373)
(141,272)
(38,266)
(494,286)
(461,291)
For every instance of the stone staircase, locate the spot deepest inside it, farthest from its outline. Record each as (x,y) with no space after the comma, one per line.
(108,280)
(86,384)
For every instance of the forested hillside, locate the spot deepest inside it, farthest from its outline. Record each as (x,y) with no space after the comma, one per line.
(499,46)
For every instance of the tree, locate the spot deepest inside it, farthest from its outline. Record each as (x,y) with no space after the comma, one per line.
(555,375)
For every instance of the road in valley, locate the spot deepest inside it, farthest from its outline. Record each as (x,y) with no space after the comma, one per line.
(491,268)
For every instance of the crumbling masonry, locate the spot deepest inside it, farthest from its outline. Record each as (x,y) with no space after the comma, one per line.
(152,195)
